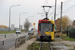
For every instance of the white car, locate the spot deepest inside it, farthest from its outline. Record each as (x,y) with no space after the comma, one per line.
(18,31)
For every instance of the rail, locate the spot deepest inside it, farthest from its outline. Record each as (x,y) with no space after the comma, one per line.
(41,46)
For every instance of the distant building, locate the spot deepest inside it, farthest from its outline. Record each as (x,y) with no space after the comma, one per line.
(3,28)
(12,27)
(21,27)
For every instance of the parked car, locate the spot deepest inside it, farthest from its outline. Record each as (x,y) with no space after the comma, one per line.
(18,31)
(30,32)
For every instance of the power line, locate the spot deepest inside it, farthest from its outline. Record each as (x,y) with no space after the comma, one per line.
(60,7)
(64,4)
(69,8)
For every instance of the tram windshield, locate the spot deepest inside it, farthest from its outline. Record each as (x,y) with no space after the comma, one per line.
(46,27)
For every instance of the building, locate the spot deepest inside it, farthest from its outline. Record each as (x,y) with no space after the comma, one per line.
(57,22)
(12,27)
(3,28)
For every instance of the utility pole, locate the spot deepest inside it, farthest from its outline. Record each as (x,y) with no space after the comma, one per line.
(61,17)
(55,11)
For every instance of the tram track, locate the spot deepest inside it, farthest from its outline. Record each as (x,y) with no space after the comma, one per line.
(41,44)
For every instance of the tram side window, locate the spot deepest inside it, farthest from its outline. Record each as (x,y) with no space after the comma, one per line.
(39,26)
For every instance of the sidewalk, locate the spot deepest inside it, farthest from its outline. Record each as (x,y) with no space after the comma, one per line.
(25,45)
(65,43)
(70,43)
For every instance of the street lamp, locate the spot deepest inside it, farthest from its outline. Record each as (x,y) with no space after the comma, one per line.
(20,18)
(10,14)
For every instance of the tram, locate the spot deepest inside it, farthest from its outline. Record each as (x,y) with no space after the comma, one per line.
(46,29)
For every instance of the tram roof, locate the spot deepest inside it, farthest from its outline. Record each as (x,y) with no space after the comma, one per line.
(40,21)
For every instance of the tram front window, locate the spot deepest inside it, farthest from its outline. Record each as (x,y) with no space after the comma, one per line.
(47,27)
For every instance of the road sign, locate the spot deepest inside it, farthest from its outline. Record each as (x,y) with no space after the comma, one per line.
(33,23)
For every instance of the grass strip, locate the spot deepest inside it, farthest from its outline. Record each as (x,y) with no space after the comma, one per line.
(63,36)
(3,32)
(35,46)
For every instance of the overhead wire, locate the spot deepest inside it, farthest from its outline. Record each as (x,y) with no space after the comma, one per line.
(60,6)
(54,9)
(68,8)
(46,1)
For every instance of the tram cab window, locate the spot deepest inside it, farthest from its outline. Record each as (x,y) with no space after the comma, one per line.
(46,27)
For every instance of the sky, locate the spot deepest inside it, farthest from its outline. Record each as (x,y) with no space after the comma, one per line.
(33,7)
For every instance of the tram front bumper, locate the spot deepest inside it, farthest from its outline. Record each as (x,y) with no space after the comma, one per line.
(46,37)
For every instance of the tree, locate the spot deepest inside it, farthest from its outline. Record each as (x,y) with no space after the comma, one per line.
(66,22)
(27,25)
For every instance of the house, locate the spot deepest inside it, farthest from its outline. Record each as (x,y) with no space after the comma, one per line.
(57,22)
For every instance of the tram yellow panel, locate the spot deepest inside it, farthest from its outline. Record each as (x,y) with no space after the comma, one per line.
(50,33)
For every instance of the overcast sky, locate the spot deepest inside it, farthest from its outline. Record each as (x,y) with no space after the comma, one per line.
(32,7)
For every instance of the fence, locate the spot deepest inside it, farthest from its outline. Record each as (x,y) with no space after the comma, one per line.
(71,31)
(19,41)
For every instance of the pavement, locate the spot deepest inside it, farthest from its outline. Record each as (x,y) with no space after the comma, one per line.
(66,42)
(25,45)
(60,44)
(70,43)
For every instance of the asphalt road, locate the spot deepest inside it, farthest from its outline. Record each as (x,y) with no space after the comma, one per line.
(2,35)
(9,43)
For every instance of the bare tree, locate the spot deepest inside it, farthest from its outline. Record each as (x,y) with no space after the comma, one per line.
(27,24)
